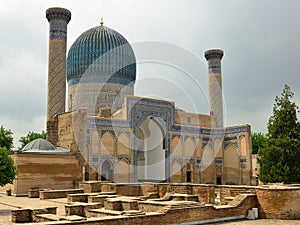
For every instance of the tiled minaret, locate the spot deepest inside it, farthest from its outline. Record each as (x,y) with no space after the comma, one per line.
(214,57)
(58,19)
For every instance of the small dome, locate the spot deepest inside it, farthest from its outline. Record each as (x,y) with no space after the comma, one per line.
(102,55)
(42,146)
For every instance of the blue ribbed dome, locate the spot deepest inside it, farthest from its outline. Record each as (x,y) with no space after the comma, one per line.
(101,55)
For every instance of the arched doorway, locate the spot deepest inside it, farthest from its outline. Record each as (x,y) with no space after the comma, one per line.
(189,172)
(219,176)
(150,151)
(107,171)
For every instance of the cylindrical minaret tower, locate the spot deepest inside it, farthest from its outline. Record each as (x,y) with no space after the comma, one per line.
(214,57)
(58,19)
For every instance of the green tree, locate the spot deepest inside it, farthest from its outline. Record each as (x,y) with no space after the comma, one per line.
(279,157)
(279,161)
(258,140)
(283,122)
(6,138)
(30,137)
(7,168)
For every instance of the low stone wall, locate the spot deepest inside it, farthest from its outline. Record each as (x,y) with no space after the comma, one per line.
(181,188)
(100,198)
(81,197)
(128,189)
(30,215)
(91,186)
(279,202)
(206,193)
(152,206)
(52,194)
(233,191)
(80,209)
(35,193)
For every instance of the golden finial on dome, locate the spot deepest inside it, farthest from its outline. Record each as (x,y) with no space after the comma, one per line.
(101,22)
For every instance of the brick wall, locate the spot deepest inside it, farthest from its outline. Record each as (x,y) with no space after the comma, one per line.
(233,191)
(279,203)
(45,172)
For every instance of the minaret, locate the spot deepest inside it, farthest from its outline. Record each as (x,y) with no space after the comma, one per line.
(58,19)
(213,58)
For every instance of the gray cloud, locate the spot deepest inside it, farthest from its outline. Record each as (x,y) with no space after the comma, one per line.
(260,40)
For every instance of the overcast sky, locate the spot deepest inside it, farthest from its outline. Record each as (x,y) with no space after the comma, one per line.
(260,38)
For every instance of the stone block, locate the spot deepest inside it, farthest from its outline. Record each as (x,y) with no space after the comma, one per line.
(90,186)
(73,210)
(130,205)
(100,198)
(21,216)
(77,198)
(113,204)
(80,209)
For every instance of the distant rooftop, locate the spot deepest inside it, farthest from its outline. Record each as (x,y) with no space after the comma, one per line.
(42,146)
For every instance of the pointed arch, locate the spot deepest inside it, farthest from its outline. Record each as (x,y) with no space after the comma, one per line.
(189,172)
(176,146)
(207,165)
(231,165)
(219,176)
(176,174)
(123,171)
(123,144)
(218,148)
(189,147)
(107,141)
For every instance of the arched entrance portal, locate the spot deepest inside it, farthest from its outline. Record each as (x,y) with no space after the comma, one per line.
(107,171)
(150,151)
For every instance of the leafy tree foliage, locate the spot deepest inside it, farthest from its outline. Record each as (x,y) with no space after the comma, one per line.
(283,122)
(279,161)
(279,157)
(6,138)
(258,140)
(30,137)
(7,168)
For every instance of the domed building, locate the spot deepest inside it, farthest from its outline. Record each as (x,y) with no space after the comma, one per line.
(41,165)
(101,68)
(120,137)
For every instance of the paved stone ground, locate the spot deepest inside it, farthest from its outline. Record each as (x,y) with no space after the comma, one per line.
(8,203)
(261,222)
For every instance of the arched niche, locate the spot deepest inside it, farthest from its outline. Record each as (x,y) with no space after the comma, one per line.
(176,173)
(123,144)
(107,141)
(107,171)
(231,165)
(123,171)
